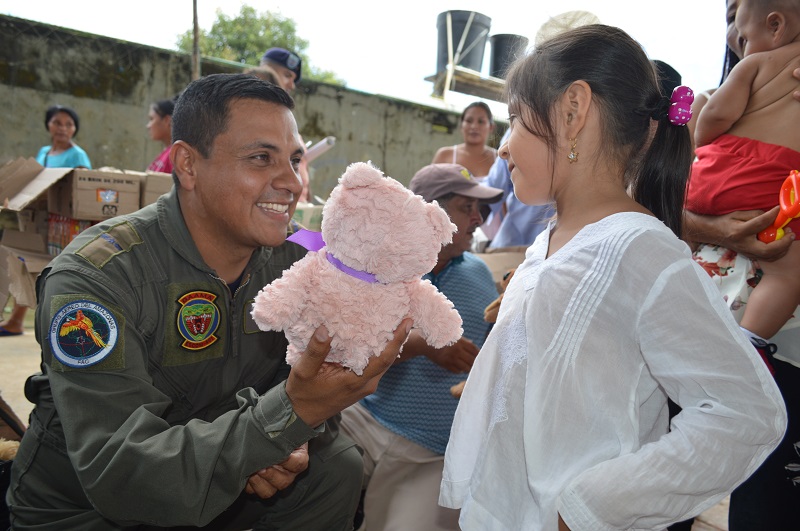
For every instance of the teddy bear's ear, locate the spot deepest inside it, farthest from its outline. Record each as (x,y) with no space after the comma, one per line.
(443,228)
(360,174)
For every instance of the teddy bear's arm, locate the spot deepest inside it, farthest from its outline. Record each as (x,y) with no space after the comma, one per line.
(281,303)
(434,315)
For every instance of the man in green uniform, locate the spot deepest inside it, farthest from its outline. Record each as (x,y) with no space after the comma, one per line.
(160,403)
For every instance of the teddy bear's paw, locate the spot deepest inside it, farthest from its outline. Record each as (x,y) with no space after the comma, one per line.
(8,449)
(458,389)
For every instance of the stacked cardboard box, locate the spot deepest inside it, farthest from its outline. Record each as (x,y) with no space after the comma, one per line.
(154,185)
(309,216)
(53,205)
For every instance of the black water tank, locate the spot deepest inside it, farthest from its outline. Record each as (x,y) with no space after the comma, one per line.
(474,44)
(506,48)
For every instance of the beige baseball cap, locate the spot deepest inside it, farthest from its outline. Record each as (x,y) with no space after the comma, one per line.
(437,180)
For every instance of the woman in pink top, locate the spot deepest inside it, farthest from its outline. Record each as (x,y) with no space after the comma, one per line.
(159,124)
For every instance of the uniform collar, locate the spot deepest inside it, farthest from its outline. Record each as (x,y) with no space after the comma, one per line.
(173,226)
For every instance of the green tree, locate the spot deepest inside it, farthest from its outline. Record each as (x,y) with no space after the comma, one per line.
(245,37)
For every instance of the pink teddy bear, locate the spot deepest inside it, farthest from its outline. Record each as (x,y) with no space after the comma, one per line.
(379,239)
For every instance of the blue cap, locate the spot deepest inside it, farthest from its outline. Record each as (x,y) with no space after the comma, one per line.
(284,58)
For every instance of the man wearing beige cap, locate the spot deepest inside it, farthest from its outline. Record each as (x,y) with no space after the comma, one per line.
(403,427)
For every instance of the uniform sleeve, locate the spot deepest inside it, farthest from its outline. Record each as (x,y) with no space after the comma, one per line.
(732,418)
(120,446)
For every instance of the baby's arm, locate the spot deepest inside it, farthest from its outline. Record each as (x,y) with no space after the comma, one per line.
(728,102)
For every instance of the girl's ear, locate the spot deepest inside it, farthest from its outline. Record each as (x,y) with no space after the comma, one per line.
(182,156)
(575,107)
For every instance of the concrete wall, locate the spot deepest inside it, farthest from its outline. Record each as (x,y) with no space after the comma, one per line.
(111,83)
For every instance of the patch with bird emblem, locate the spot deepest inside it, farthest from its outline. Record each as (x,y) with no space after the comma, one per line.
(83,333)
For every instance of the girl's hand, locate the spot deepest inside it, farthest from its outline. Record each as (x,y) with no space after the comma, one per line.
(561,525)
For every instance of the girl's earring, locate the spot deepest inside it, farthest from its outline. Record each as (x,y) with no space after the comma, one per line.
(573,155)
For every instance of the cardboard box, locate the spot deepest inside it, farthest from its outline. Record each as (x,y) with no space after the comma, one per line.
(34,218)
(94,194)
(22,181)
(22,257)
(62,230)
(500,261)
(309,216)
(72,192)
(154,185)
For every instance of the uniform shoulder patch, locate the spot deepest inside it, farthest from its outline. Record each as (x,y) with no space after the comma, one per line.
(118,239)
(83,333)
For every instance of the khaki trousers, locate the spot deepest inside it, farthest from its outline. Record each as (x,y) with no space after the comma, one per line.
(402,479)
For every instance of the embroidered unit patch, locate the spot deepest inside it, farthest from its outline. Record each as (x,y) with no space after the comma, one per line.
(198,319)
(83,333)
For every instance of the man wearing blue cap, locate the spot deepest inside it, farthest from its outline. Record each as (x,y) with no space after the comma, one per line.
(288,66)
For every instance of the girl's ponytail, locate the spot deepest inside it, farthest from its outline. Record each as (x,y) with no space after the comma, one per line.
(663,173)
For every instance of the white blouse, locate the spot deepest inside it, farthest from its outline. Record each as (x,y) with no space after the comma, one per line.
(565,409)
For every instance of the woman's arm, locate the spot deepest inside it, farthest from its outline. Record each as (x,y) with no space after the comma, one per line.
(443,156)
(737,231)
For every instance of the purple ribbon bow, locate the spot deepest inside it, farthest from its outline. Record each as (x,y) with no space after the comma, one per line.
(313,241)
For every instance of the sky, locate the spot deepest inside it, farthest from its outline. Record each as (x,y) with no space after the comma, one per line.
(389,48)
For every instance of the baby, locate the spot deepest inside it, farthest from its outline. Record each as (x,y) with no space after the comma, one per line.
(748,141)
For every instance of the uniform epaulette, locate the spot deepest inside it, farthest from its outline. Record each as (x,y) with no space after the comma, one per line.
(118,239)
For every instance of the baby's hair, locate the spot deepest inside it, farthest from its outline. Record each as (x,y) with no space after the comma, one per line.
(762,7)
(626,91)
(480,105)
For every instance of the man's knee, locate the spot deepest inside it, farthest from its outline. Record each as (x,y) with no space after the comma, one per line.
(343,470)
(325,498)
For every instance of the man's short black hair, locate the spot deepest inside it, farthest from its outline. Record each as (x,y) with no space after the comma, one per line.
(201,112)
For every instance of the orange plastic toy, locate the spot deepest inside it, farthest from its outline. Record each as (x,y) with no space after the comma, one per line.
(790,209)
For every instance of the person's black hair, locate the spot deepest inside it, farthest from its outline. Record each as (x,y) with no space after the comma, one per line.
(731,60)
(163,107)
(668,77)
(481,105)
(55,109)
(626,90)
(201,112)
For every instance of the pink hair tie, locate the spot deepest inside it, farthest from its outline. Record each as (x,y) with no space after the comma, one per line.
(680,109)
